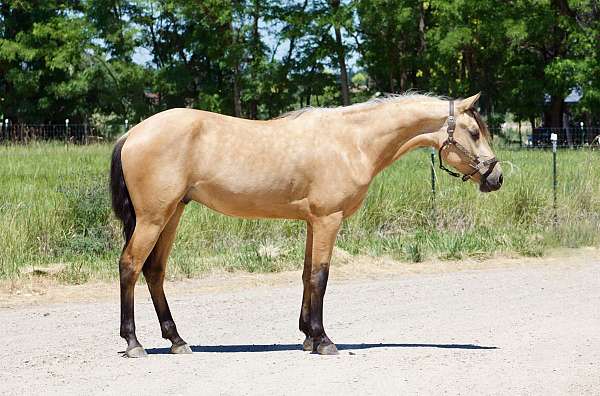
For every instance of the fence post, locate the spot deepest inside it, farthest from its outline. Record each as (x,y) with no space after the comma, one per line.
(6,129)
(433,211)
(67,130)
(126,126)
(554,138)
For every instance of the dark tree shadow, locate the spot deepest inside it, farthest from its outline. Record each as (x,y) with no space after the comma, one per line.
(296,347)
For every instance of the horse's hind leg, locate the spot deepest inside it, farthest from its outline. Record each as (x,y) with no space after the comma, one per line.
(154,272)
(305,310)
(134,255)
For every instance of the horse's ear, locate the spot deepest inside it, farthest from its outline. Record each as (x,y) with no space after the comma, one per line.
(468,103)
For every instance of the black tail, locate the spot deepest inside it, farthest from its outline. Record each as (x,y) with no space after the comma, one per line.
(121,201)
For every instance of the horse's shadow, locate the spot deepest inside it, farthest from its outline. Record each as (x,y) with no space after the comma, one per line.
(296,347)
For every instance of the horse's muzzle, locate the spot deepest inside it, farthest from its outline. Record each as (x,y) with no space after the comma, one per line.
(491,183)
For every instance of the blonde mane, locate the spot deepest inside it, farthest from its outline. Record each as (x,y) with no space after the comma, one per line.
(386,98)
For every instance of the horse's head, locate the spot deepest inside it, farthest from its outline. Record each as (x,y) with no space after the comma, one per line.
(465,144)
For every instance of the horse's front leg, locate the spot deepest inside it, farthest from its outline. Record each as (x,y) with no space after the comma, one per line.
(325,230)
(305,309)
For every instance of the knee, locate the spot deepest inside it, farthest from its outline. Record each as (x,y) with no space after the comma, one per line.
(125,266)
(129,270)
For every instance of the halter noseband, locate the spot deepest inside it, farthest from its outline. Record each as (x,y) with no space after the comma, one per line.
(474,161)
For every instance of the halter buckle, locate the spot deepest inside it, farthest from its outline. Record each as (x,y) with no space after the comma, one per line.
(451,126)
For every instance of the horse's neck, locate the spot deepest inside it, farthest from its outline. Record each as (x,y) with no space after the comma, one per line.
(387,126)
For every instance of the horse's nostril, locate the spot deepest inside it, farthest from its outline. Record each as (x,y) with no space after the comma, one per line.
(500,180)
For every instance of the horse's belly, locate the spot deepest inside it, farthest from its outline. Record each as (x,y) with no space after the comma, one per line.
(249,204)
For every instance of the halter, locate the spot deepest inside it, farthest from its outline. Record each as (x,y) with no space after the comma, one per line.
(474,161)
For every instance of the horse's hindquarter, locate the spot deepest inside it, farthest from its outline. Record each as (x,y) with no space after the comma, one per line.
(276,169)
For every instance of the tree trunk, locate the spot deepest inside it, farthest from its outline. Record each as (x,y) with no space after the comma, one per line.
(555,112)
(403,79)
(341,54)
(565,125)
(422,40)
(253,110)
(237,97)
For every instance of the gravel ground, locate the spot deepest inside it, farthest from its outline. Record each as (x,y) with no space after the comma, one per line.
(509,326)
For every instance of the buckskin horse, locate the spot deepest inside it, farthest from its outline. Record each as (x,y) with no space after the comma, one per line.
(314,164)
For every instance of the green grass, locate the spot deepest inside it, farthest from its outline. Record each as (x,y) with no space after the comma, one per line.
(54,210)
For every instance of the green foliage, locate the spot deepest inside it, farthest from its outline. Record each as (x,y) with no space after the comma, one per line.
(258,58)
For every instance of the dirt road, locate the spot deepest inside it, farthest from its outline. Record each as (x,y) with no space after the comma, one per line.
(518,326)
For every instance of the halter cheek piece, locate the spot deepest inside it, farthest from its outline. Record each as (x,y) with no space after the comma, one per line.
(474,162)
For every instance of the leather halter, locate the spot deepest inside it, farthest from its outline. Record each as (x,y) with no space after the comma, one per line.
(474,162)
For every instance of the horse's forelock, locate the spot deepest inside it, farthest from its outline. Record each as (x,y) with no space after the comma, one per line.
(481,124)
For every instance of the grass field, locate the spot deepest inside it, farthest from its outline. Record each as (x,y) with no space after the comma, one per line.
(54,211)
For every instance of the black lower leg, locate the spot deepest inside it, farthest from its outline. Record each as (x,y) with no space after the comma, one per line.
(304,321)
(127,311)
(154,278)
(167,325)
(318,283)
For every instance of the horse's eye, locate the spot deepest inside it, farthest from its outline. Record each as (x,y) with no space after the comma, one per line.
(474,133)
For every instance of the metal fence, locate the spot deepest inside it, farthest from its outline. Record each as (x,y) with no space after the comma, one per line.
(86,134)
(69,133)
(540,137)
(567,137)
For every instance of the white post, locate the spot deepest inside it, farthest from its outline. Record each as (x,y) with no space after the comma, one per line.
(126,125)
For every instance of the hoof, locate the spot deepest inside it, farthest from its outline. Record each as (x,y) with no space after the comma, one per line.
(327,349)
(136,352)
(308,344)
(182,349)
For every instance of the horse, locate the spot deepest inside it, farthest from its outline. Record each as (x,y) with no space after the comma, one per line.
(314,165)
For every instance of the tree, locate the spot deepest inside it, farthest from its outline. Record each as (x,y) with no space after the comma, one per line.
(339,17)
(45,57)
(258,58)
(391,37)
